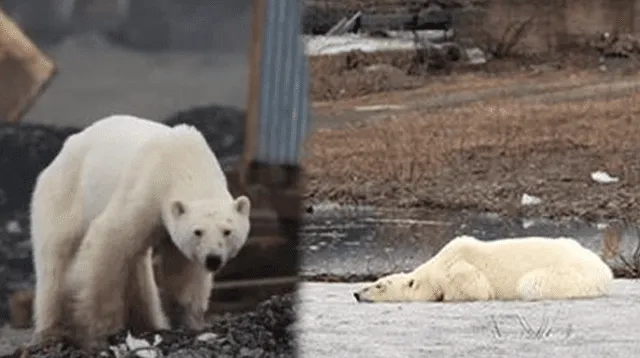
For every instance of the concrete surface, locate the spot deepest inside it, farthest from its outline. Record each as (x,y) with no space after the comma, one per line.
(332,324)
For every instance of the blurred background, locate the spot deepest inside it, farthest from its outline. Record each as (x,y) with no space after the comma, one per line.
(144,57)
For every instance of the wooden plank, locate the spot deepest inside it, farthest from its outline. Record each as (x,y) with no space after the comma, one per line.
(253,105)
(24,71)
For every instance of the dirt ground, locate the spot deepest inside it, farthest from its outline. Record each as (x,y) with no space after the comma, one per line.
(479,140)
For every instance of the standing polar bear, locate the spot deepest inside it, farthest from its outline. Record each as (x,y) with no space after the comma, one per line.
(117,189)
(467,269)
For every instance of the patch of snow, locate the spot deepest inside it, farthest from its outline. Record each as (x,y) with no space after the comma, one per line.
(527,223)
(602,226)
(603,177)
(530,200)
(378,107)
(329,45)
(476,56)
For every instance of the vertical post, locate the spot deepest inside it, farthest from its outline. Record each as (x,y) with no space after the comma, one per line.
(253,106)
(269,172)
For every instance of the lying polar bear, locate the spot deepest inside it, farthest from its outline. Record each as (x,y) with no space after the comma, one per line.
(467,269)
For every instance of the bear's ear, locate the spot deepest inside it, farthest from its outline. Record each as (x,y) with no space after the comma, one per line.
(242,205)
(177,208)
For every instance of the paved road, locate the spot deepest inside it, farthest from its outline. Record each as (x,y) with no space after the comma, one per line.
(332,324)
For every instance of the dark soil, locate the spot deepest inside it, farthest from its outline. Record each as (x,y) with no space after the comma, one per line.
(265,332)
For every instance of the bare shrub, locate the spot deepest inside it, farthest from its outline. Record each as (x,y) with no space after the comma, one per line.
(504,45)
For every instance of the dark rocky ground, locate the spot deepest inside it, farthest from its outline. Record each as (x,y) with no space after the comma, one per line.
(268,331)
(26,149)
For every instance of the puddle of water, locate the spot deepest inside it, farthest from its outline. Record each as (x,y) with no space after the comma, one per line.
(343,240)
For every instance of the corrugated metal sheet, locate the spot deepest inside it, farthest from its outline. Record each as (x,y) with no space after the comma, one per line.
(283,112)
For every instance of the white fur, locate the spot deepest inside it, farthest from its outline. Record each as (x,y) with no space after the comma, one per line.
(530,268)
(108,197)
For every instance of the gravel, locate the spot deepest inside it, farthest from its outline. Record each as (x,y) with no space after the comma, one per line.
(266,331)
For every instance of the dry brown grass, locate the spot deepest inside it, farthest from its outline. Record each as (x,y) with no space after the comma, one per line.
(348,75)
(484,156)
(356,74)
(443,85)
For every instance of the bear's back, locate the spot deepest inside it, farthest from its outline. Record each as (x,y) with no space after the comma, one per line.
(508,259)
(110,146)
(530,252)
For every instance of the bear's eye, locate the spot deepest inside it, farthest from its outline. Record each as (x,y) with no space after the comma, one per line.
(226,233)
(379,286)
(411,282)
(197,232)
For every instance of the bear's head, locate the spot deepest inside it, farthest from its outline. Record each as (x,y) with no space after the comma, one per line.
(208,232)
(398,287)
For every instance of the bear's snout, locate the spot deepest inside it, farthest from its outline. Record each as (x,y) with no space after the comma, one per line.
(213,262)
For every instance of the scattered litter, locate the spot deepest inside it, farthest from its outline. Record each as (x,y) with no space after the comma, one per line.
(378,107)
(141,347)
(157,339)
(476,56)
(603,177)
(13,227)
(313,248)
(602,226)
(530,200)
(207,337)
(119,350)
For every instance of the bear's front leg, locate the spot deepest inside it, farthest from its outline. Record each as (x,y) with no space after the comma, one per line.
(193,298)
(98,279)
(466,283)
(186,287)
(145,308)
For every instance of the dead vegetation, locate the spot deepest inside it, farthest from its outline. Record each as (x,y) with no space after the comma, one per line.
(629,259)
(357,73)
(484,156)
(503,46)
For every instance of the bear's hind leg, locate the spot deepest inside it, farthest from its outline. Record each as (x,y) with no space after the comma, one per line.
(559,283)
(55,237)
(464,282)
(145,309)
(98,279)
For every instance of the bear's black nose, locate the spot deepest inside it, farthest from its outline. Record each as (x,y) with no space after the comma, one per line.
(357,296)
(213,262)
